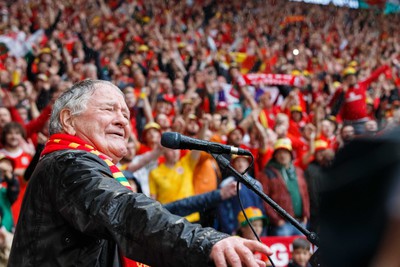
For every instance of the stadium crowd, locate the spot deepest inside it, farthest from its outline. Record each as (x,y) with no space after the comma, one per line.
(291,82)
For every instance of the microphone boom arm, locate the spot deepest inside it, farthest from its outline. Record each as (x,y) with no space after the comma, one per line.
(251,184)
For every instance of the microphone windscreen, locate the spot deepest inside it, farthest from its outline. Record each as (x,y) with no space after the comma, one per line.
(171,140)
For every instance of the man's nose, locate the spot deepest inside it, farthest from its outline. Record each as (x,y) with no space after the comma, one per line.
(121,119)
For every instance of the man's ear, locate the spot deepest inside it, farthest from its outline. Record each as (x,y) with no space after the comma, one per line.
(67,122)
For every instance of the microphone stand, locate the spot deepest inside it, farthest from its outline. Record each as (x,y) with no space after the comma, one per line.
(251,184)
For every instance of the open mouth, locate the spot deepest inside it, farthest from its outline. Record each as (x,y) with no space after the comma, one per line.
(118,134)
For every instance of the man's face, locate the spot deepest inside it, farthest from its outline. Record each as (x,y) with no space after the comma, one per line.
(19,93)
(240,164)
(163,121)
(192,127)
(216,121)
(152,136)
(283,157)
(140,79)
(105,122)
(248,233)
(319,156)
(43,67)
(235,138)
(351,80)
(265,100)
(324,157)
(163,107)
(172,155)
(296,116)
(130,99)
(371,126)
(327,128)
(179,86)
(348,133)
(307,131)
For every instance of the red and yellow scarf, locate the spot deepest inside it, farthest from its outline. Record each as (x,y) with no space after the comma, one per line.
(64,141)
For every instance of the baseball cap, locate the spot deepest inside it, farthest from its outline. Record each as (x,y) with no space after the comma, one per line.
(252,213)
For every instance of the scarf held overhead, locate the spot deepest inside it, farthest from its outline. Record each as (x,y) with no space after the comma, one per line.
(64,141)
(274,79)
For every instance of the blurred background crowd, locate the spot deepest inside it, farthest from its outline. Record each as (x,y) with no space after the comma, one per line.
(291,82)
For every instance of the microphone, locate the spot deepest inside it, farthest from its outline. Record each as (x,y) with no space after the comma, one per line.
(177,141)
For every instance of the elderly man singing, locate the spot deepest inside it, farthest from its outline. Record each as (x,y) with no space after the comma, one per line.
(79,211)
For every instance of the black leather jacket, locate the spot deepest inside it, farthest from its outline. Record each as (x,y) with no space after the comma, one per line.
(197,203)
(74,213)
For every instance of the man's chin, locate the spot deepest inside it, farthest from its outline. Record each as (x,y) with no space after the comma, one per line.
(117,153)
(122,153)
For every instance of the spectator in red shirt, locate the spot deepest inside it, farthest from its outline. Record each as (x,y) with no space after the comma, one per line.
(328,131)
(303,147)
(269,110)
(297,120)
(12,138)
(351,97)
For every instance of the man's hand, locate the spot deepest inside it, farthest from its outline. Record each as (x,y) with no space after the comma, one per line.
(229,190)
(281,222)
(237,252)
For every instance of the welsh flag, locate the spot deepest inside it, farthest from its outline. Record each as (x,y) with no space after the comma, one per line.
(371,3)
(387,6)
(392,6)
(246,61)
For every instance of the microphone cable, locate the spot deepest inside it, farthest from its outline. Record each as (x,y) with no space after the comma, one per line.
(242,208)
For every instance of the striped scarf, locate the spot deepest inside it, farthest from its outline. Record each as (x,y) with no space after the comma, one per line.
(64,141)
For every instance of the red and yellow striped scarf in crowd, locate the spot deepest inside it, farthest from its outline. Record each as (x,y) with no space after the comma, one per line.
(64,141)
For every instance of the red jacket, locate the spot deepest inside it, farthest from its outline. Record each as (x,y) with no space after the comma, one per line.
(275,187)
(354,107)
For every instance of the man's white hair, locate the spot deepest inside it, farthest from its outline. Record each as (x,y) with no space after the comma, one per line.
(74,99)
